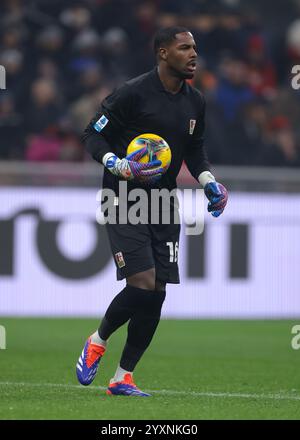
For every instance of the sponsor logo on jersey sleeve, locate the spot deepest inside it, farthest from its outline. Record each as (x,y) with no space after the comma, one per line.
(100,124)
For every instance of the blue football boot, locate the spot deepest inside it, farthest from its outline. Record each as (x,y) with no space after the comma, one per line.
(126,387)
(88,362)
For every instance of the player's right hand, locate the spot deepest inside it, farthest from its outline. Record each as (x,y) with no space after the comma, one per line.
(129,168)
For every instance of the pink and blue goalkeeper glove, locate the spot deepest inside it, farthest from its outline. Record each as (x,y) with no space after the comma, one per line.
(129,168)
(217,195)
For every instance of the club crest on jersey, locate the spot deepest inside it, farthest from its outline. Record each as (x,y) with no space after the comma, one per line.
(100,124)
(119,259)
(192,125)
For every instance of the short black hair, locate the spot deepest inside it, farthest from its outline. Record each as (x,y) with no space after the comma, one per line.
(166,36)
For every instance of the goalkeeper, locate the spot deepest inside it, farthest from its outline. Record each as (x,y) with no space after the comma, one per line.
(161,102)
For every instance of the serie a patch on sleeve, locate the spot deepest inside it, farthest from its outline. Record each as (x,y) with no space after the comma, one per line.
(100,124)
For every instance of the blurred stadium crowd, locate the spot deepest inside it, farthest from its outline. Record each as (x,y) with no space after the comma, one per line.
(62,57)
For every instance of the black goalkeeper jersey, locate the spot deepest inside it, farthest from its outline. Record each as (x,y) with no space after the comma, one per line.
(142,105)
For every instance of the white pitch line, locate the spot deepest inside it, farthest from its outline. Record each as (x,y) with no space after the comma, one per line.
(276,396)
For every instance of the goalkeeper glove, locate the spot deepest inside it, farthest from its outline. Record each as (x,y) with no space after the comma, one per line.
(217,195)
(129,168)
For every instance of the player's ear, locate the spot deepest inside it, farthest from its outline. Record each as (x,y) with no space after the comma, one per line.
(163,53)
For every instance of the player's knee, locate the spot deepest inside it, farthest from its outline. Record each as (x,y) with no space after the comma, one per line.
(154,305)
(143,280)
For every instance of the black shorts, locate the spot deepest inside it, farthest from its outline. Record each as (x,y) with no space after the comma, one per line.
(140,247)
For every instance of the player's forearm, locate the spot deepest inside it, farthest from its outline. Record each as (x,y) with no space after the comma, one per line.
(197,163)
(96,145)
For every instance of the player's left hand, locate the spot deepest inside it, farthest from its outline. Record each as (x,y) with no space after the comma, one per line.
(217,195)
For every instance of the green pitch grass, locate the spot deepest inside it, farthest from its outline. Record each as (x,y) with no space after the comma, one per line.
(195,369)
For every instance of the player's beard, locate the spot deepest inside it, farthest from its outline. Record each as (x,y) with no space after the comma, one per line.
(188,75)
(182,74)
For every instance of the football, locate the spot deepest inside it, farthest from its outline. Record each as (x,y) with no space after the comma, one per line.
(158,149)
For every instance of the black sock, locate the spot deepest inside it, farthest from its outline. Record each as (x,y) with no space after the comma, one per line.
(121,309)
(141,329)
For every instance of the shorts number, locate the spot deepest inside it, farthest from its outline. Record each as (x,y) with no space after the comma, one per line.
(173,249)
